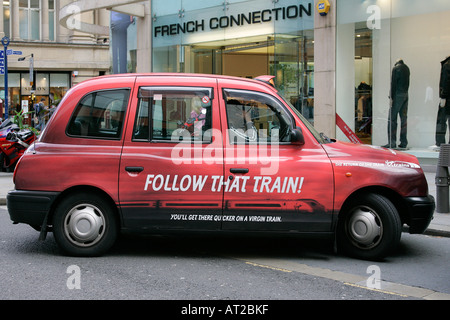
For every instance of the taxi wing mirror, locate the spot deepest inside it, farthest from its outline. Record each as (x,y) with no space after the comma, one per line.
(297,137)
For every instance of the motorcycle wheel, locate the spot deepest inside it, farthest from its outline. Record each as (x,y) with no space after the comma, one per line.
(2,162)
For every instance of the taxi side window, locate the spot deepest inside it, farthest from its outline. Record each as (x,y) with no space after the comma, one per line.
(174,114)
(100,115)
(255,117)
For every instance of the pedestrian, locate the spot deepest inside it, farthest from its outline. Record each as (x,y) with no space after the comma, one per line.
(40,111)
(443,116)
(398,105)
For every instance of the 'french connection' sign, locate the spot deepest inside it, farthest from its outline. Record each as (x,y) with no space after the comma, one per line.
(255,17)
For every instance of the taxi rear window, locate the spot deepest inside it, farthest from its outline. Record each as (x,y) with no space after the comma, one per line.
(174,114)
(100,115)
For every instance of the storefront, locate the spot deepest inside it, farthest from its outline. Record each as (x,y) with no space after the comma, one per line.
(250,38)
(335,66)
(372,37)
(59,55)
(239,38)
(51,86)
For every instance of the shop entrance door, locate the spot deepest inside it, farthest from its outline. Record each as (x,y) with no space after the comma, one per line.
(247,60)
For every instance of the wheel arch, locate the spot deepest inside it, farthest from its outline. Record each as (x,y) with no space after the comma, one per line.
(85,188)
(391,195)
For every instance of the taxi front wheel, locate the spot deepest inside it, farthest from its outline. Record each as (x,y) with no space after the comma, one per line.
(84,224)
(369,227)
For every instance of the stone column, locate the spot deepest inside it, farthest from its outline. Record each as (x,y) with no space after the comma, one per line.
(15,31)
(103,20)
(2,31)
(45,21)
(144,41)
(325,71)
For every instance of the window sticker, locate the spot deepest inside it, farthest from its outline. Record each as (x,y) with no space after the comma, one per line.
(205,100)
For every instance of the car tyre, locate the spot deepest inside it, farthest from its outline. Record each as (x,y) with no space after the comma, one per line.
(85,224)
(369,227)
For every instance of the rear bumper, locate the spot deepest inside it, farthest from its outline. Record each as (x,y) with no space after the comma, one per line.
(421,210)
(30,207)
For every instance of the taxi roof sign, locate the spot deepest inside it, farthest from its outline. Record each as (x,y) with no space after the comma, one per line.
(267,79)
(323,7)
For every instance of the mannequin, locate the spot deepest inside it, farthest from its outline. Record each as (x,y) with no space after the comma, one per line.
(444,103)
(398,105)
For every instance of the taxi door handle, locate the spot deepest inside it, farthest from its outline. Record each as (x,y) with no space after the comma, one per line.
(134,169)
(239,170)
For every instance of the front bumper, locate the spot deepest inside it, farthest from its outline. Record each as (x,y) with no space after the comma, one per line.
(30,207)
(421,210)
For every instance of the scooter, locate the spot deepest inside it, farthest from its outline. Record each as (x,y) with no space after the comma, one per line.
(13,145)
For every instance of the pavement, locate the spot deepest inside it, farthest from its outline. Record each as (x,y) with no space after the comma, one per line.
(440,225)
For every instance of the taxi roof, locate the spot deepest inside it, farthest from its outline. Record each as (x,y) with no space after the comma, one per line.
(263,79)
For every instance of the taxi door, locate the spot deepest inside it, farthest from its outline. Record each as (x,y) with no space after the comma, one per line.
(170,157)
(269,182)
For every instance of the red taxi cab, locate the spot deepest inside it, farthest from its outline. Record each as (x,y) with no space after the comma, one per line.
(184,152)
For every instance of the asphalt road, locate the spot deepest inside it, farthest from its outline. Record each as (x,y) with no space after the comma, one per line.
(217,268)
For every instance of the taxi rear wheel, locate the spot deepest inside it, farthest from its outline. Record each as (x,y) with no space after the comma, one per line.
(84,224)
(369,228)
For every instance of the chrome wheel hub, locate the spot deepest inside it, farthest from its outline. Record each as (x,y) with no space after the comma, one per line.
(364,228)
(84,225)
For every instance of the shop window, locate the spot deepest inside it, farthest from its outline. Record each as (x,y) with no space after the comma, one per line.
(14,91)
(363,81)
(59,85)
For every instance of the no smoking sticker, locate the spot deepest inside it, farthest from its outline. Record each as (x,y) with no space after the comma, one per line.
(205,99)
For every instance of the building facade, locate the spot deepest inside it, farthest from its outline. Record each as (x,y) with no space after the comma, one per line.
(334,60)
(336,68)
(58,56)
(239,38)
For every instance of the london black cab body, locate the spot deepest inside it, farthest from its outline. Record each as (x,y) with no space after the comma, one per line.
(183,152)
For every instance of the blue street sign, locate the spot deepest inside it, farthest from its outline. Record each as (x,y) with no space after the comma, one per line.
(11,52)
(2,62)
(5,42)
